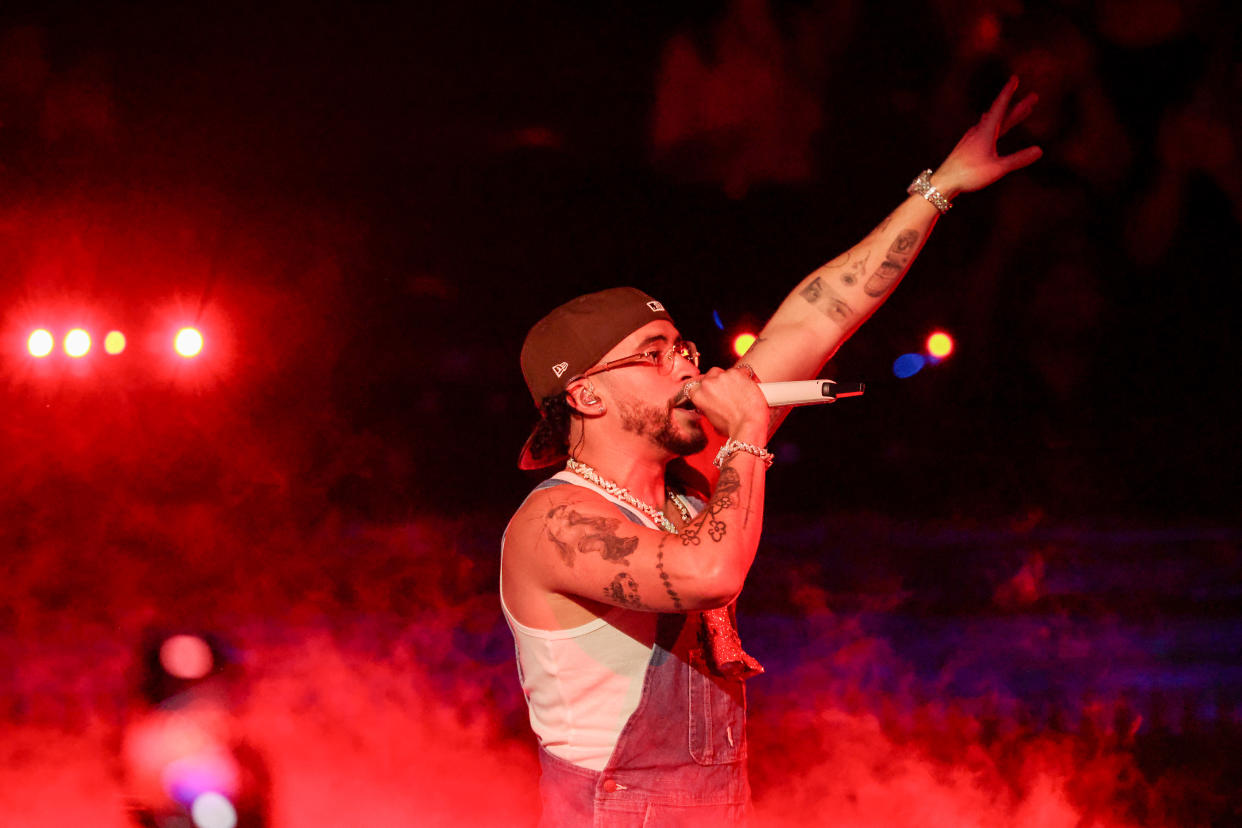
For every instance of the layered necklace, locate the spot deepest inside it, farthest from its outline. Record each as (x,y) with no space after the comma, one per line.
(620,493)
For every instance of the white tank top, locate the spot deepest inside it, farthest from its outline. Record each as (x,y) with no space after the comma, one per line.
(582,684)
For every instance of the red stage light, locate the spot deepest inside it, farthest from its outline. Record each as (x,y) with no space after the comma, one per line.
(940,344)
(742,343)
(40,343)
(188,343)
(186,657)
(77,343)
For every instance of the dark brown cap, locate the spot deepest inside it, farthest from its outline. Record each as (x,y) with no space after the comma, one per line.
(571,339)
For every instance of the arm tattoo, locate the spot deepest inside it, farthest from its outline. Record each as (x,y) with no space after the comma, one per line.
(623,591)
(668,585)
(812,291)
(725,497)
(856,271)
(904,243)
(572,532)
(894,264)
(828,302)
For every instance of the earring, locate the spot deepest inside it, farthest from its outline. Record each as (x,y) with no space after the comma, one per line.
(588,394)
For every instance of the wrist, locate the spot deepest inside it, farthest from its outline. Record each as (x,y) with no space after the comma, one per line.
(945,183)
(923,187)
(733,446)
(755,433)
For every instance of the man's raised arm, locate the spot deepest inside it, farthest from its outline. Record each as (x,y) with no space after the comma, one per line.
(829,305)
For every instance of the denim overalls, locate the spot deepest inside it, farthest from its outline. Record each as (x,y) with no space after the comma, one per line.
(681,757)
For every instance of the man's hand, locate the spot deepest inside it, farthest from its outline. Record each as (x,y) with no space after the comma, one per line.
(974,163)
(732,402)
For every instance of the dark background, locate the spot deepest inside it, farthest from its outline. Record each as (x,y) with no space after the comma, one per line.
(1019,565)
(465,168)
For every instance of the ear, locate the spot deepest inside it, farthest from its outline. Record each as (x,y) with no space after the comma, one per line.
(583,398)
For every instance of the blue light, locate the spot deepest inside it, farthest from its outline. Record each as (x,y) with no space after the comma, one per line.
(907,365)
(717,320)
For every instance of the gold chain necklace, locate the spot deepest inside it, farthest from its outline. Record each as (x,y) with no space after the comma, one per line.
(586,472)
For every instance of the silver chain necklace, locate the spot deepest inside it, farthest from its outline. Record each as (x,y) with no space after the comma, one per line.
(583,470)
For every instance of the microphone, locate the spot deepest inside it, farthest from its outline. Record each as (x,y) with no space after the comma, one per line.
(808,392)
(799,392)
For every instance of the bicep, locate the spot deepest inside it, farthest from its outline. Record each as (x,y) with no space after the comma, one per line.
(580,544)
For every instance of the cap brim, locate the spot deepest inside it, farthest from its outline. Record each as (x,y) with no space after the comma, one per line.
(529,461)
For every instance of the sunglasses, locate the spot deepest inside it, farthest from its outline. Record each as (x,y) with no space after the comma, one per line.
(661,359)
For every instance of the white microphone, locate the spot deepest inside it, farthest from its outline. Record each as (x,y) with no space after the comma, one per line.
(808,392)
(800,392)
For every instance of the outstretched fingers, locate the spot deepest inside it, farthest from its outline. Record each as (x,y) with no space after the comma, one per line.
(995,114)
(1019,113)
(1021,158)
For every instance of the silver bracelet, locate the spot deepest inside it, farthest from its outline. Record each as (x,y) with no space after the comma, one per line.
(923,186)
(732,447)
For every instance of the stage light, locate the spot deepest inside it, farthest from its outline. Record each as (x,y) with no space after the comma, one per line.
(188,343)
(907,365)
(742,343)
(114,342)
(940,344)
(186,657)
(40,343)
(77,343)
(205,764)
(213,810)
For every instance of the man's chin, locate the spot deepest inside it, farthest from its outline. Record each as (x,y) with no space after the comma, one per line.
(690,437)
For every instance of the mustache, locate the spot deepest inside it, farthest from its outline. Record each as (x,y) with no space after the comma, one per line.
(682,399)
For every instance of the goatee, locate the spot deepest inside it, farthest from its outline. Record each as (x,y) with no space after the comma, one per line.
(657,425)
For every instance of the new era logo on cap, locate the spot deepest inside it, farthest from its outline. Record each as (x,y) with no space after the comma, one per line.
(577,334)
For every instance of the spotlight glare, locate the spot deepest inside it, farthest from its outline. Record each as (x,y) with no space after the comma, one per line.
(742,343)
(186,656)
(114,342)
(40,343)
(213,810)
(77,343)
(188,343)
(907,365)
(940,344)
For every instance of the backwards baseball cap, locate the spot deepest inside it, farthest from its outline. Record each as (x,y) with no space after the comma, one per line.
(572,338)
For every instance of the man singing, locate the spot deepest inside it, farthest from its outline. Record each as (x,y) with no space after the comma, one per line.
(619,573)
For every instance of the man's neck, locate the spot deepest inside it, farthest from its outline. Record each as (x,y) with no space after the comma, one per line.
(643,476)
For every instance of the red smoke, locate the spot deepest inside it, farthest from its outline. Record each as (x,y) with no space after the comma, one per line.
(379,687)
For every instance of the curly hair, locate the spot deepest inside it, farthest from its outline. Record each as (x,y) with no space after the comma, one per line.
(551,436)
